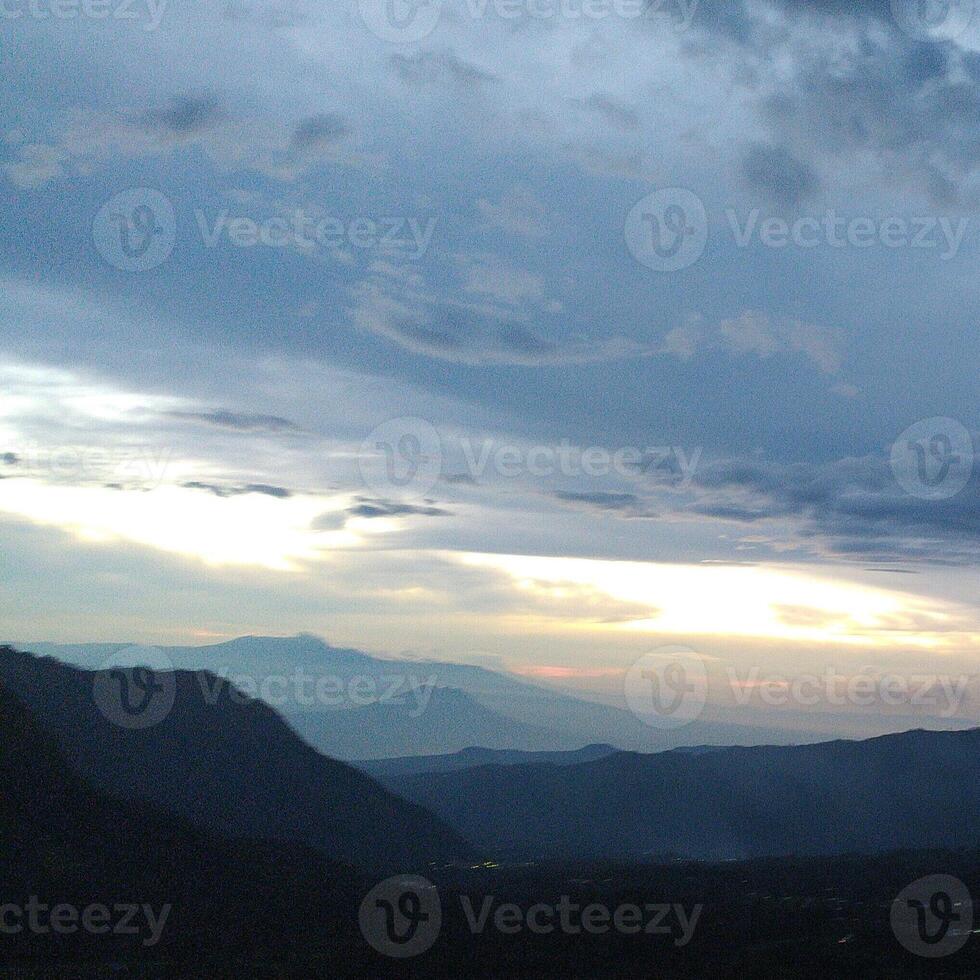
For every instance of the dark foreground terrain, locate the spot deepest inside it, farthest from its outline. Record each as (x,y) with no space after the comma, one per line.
(110,871)
(759,919)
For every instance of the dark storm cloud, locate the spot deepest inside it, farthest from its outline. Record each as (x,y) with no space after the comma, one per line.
(881,94)
(613,111)
(375,507)
(183,116)
(524,343)
(776,173)
(741,21)
(237,421)
(320,130)
(854,505)
(224,490)
(621,504)
(428,67)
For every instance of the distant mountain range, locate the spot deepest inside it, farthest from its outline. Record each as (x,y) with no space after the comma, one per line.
(237,768)
(916,789)
(385,769)
(230,768)
(207,906)
(380,708)
(451,717)
(248,852)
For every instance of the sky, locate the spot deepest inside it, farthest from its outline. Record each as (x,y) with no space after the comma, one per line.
(533,333)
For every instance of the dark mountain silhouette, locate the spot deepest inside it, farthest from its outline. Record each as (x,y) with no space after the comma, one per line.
(216,900)
(385,769)
(231,768)
(916,789)
(240,907)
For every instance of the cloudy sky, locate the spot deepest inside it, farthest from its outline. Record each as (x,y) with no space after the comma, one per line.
(527,332)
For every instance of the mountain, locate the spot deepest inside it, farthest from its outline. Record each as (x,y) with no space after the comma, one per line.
(916,789)
(231,767)
(223,904)
(500,710)
(203,906)
(385,769)
(451,719)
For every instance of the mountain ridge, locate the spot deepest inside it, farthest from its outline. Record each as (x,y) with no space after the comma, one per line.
(233,768)
(915,788)
(554,719)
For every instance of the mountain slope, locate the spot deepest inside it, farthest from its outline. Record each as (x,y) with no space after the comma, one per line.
(64,843)
(917,789)
(232,768)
